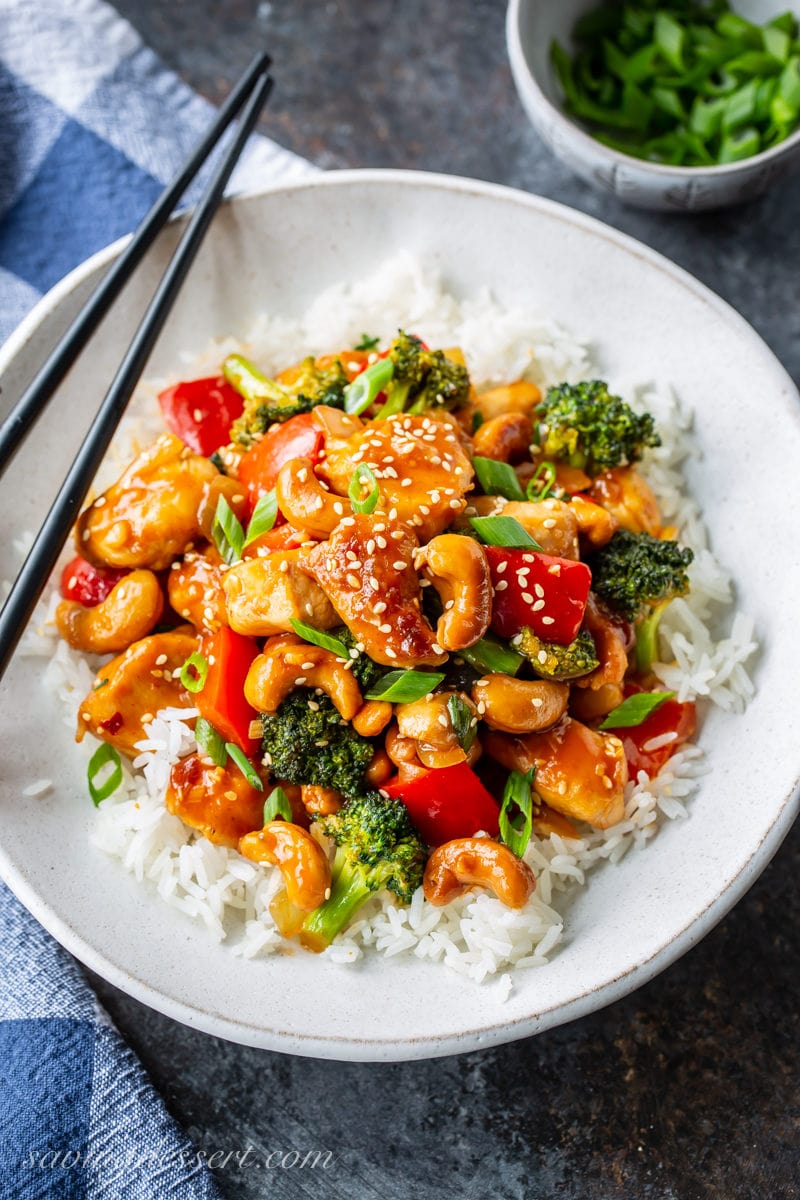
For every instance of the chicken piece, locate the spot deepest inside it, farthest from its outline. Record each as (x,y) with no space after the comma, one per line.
(579,773)
(195,590)
(611,639)
(597,525)
(519,397)
(366,570)
(264,594)
(623,491)
(129,690)
(419,463)
(218,801)
(154,510)
(549,522)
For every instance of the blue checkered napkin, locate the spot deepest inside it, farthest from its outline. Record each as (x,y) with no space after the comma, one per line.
(91,126)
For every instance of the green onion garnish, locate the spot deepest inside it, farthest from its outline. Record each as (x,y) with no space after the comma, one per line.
(364,478)
(101,758)
(503,531)
(264,516)
(317,638)
(227,532)
(477,420)
(404,687)
(277,805)
(465,726)
(492,656)
(541,483)
(497,478)
(359,394)
(101,683)
(635,709)
(367,342)
(194,672)
(245,766)
(516,811)
(210,742)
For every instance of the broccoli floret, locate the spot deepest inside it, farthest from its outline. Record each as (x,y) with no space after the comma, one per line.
(634,571)
(267,401)
(584,425)
(377,848)
(553,661)
(309,744)
(423,378)
(366,671)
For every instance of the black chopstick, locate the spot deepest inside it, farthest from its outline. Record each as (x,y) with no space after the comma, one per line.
(36,396)
(54,532)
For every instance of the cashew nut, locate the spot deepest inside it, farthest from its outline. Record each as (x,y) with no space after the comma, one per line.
(288,663)
(128,613)
(624,493)
(428,726)
(466,862)
(304,502)
(302,862)
(334,423)
(519,705)
(595,523)
(379,769)
(217,801)
(459,571)
(372,718)
(504,438)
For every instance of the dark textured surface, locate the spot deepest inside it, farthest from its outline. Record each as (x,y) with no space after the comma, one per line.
(687,1089)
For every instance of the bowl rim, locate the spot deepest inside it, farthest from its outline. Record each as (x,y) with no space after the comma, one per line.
(525,80)
(591,998)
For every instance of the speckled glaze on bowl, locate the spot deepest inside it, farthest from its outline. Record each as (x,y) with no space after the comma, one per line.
(275,251)
(531,26)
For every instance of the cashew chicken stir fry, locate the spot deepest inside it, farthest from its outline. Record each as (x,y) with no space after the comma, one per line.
(418,621)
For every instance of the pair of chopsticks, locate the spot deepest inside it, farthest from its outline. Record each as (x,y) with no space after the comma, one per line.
(247,98)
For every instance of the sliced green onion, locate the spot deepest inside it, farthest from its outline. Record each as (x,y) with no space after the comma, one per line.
(317,638)
(100,684)
(404,687)
(246,378)
(503,531)
(477,420)
(210,742)
(635,709)
(264,516)
(497,478)
(227,532)
(743,143)
(492,656)
(465,726)
(194,672)
(277,805)
(245,766)
(541,483)
(367,342)
(669,37)
(102,757)
(364,478)
(359,394)
(516,811)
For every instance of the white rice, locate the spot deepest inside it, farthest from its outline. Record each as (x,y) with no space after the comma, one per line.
(475,935)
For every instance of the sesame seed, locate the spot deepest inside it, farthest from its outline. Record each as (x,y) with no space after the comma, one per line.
(538,606)
(301,679)
(371,546)
(555,569)
(313,705)
(302,474)
(385,628)
(338,507)
(348,521)
(284,567)
(374,585)
(562,788)
(527,597)
(537,702)
(399,565)
(379,528)
(455,504)
(406,482)
(353,652)
(307,666)
(481,706)
(542,656)
(381,542)
(380,607)
(146,718)
(436,648)
(501,567)
(353,580)
(528,558)
(99,502)
(397,534)
(537,587)
(550,523)
(389,652)
(548,620)
(443,721)
(501,585)
(321,742)
(423,508)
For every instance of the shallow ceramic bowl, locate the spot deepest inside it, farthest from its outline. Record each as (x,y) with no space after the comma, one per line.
(531,26)
(274,251)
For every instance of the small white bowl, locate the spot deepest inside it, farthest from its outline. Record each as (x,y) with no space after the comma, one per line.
(531,27)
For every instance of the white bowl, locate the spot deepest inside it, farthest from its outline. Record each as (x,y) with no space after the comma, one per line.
(274,251)
(531,27)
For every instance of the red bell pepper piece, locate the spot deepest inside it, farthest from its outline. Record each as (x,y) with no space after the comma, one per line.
(299,437)
(201,412)
(446,803)
(222,701)
(545,593)
(673,716)
(89,585)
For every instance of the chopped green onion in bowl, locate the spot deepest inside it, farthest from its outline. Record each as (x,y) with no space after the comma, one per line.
(682,84)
